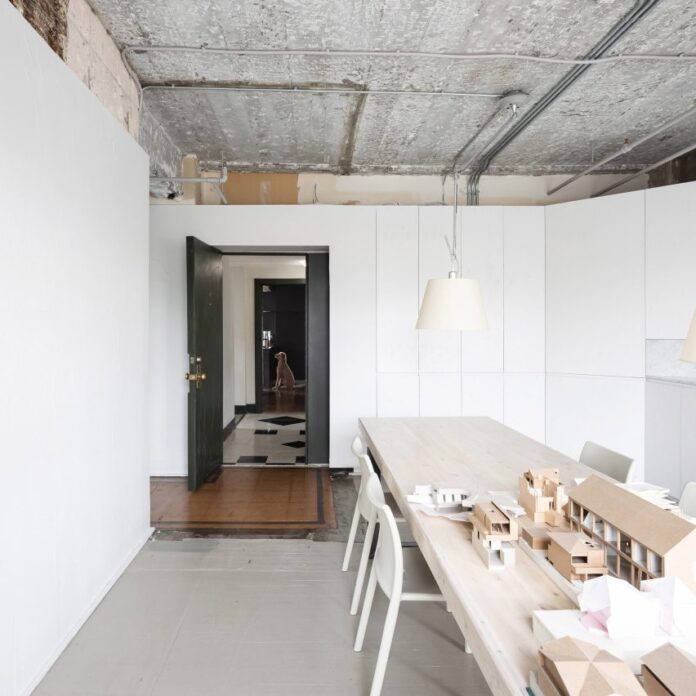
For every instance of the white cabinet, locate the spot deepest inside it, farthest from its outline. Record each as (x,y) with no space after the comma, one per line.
(524,289)
(525,404)
(482,258)
(663,434)
(670,434)
(670,253)
(595,286)
(397,395)
(440,394)
(607,410)
(397,289)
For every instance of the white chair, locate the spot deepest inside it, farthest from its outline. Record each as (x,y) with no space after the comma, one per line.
(363,508)
(366,468)
(687,502)
(388,571)
(606,461)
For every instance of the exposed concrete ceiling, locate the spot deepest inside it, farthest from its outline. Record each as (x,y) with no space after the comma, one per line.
(609,104)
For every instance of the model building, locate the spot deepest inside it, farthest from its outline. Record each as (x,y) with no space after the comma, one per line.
(668,671)
(640,540)
(570,667)
(493,530)
(542,495)
(575,556)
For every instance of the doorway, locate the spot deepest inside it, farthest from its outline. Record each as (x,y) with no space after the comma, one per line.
(267,339)
(275,322)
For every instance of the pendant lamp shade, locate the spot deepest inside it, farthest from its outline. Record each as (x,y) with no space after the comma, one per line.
(688,353)
(454,304)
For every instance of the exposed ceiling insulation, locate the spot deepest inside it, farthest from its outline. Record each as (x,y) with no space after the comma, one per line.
(406,133)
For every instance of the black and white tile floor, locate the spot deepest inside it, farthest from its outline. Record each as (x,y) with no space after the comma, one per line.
(267,438)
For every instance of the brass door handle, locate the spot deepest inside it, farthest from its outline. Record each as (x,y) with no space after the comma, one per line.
(196,376)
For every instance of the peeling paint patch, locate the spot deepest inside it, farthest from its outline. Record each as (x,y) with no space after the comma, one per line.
(49,18)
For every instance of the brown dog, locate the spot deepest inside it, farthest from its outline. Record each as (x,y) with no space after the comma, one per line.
(284,377)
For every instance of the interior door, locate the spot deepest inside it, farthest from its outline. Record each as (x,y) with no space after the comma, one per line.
(204,284)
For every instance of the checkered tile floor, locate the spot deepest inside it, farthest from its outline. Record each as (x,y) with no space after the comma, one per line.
(267,438)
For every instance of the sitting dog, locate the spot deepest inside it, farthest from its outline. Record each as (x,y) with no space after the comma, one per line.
(284,377)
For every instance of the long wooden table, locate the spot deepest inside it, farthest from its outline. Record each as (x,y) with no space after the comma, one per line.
(493,609)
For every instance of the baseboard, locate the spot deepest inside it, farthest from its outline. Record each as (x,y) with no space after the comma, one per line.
(249,408)
(72,632)
(228,429)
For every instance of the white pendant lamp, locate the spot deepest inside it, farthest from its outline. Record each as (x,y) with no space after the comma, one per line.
(688,353)
(452,303)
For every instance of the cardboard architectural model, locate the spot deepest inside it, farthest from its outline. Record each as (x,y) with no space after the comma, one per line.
(570,667)
(543,497)
(439,498)
(669,671)
(641,541)
(575,556)
(493,530)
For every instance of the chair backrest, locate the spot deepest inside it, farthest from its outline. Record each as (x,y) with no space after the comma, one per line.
(389,557)
(366,470)
(358,446)
(612,464)
(687,502)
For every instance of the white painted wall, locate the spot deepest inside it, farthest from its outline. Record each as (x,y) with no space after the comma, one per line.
(239,356)
(74,309)
(348,233)
(380,261)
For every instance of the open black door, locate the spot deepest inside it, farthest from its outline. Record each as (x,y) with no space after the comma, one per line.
(317,405)
(204,280)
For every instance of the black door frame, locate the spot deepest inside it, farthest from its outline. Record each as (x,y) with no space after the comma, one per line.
(258,327)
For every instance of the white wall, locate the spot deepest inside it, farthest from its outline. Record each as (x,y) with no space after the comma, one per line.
(239,356)
(73,303)
(595,324)
(380,260)
(348,233)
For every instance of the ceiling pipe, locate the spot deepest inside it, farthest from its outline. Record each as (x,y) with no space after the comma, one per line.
(342,53)
(510,102)
(624,149)
(645,170)
(214,181)
(618,31)
(316,90)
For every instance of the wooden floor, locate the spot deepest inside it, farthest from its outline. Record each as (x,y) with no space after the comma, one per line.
(246,501)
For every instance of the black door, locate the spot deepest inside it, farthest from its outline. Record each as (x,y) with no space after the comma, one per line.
(317,407)
(204,280)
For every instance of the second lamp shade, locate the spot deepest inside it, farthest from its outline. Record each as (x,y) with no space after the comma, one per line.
(454,304)
(688,353)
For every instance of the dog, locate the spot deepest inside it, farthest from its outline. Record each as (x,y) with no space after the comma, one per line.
(284,377)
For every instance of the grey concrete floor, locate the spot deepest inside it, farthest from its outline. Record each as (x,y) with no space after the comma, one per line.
(261,617)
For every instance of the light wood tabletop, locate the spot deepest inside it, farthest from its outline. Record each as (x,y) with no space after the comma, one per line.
(492,608)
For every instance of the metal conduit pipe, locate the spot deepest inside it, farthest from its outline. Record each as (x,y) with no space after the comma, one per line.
(316,90)
(645,170)
(624,149)
(618,31)
(214,181)
(343,53)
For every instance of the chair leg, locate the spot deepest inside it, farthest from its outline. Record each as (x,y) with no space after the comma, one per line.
(351,537)
(357,592)
(385,646)
(367,608)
